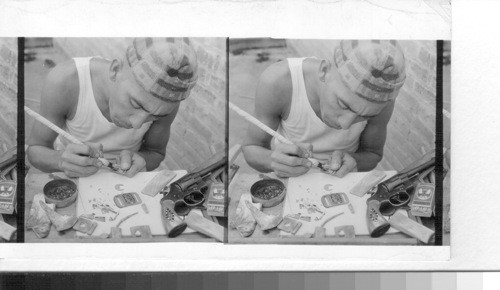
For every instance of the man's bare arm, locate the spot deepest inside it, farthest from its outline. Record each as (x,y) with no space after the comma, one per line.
(58,96)
(155,141)
(372,140)
(272,99)
(268,110)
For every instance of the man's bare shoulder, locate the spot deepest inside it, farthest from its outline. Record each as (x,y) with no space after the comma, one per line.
(275,85)
(62,86)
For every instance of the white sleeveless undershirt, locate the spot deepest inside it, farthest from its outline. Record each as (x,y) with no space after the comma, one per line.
(303,125)
(90,125)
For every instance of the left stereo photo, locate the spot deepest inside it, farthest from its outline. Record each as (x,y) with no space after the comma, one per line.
(8,140)
(125,139)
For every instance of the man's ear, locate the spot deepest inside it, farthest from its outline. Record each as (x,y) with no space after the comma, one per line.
(324,68)
(114,68)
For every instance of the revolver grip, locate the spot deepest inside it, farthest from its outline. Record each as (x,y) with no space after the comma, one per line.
(377,224)
(173,225)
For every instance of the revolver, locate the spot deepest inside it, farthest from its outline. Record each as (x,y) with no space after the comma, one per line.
(184,194)
(391,195)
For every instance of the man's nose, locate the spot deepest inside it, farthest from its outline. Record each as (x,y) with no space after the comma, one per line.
(138,120)
(347,120)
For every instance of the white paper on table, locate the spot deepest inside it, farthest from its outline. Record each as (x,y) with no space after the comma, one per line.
(104,185)
(312,186)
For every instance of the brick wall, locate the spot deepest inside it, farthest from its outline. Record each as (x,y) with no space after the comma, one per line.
(8,93)
(411,130)
(199,128)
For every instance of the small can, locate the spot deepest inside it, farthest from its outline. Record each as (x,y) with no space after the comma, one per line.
(216,201)
(127,199)
(7,196)
(422,202)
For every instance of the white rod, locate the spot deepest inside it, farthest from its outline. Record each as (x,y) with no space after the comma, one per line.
(58,130)
(51,125)
(259,124)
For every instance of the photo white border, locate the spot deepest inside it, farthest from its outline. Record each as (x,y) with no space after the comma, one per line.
(474,171)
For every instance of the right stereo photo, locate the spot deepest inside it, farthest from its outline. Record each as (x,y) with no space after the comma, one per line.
(339,142)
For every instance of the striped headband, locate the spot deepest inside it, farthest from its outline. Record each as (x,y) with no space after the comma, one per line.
(372,69)
(164,67)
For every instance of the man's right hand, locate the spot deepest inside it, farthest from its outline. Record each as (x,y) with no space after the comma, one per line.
(80,160)
(290,160)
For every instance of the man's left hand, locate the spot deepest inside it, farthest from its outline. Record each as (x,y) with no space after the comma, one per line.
(342,163)
(131,163)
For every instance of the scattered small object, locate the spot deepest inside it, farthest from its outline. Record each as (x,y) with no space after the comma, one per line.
(100,218)
(265,221)
(368,182)
(125,218)
(305,218)
(116,232)
(330,218)
(38,220)
(112,218)
(127,199)
(316,208)
(158,182)
(294,216)
(422,202)
(61,192)
(348,231)
(104,236)
(141,231)
(334,199)
(351,208)
(85,226)
(105,209)
(61,222)
(289,225)
(89,216)
(268,192)
(145,208)
(319,232)
(320,217)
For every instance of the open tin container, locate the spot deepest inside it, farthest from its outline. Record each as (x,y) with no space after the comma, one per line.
(268,192)
(61,192)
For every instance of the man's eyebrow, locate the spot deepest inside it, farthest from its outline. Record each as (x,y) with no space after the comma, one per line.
(147,111)
(349,108)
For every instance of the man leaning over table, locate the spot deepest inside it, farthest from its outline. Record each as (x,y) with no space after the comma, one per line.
(122,108)
(333,110)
